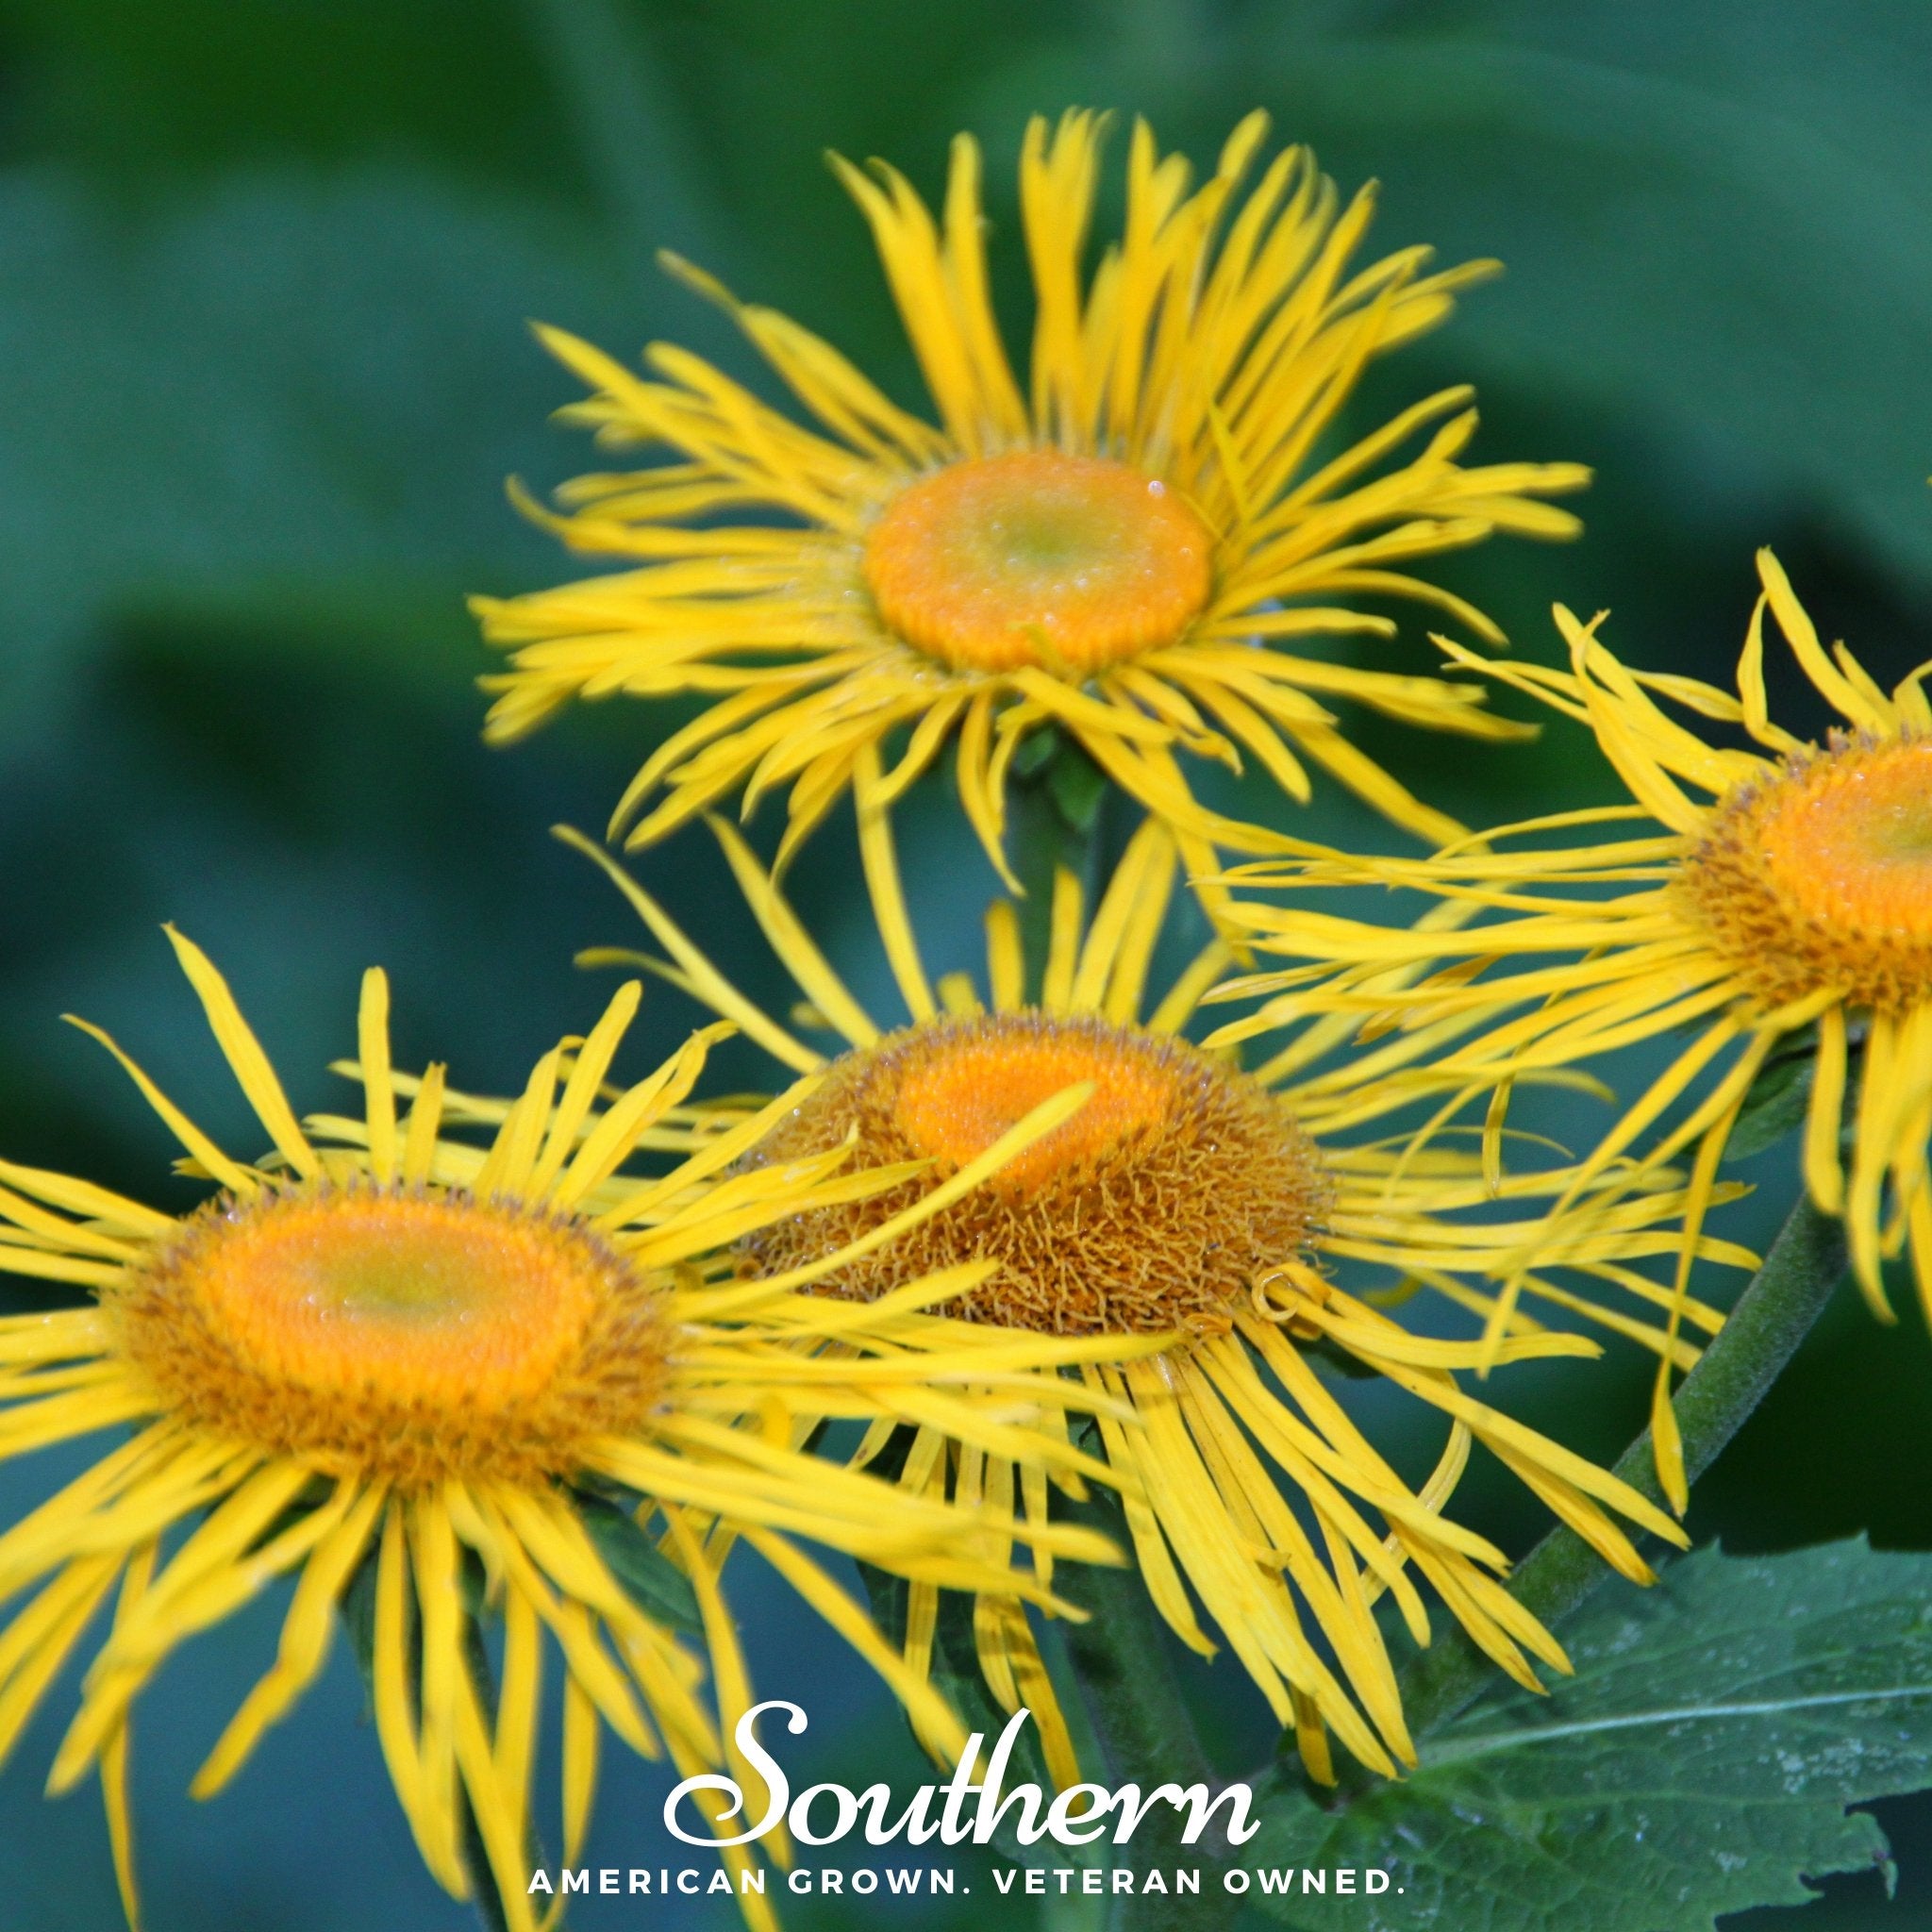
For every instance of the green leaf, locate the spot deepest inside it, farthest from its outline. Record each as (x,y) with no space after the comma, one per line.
(1766,161)
(1078,787)
(1700,1762)
(1778,1100)
(327,381)
(652,1579)
(1070,780)
(1036,752)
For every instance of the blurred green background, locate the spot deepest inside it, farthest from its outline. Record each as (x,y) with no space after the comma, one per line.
(264,271)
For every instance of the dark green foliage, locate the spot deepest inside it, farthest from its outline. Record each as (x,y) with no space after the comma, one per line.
(1700,1762)
(657,1584)
(1778,1100)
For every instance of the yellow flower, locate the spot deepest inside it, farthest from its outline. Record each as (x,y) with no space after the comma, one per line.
(387,1352)
(1116,546)
(1192,1204)
(1788,890)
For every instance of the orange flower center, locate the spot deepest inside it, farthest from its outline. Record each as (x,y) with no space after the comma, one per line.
(1822,876)
(346,1291)
(411,1334)
(954,1105)
(1153,1209)
(1067,562)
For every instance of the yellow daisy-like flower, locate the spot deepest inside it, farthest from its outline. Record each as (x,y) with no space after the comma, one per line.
(1789,890)
(1116,545)
(1196,1204)
(387,1360)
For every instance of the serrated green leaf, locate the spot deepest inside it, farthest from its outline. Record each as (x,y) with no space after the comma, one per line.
(657,1584)
(1700,1762)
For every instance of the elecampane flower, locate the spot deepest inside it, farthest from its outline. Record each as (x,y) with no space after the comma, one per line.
(386,1352)
(1120,542)
(1788,892)
(1196,1204)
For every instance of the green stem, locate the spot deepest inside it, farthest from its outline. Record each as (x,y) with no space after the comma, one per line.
(1773,1316)
(1053,810)
(1145,1731)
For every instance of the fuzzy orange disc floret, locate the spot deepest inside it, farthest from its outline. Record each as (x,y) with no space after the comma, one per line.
(953,1107)
(1153,1208)
(1820,876)
(1038,557)
(410,1334)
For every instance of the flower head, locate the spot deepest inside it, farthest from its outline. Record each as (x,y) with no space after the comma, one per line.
(1199,1205)
(1786,900)
(390,1360)
(1151,1210)
(1119,546)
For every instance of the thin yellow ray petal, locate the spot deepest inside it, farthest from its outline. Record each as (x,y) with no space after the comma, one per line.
(844,1616)
(1005,965)
(518,1699)
(228,1172)
(500,1823)
(1824,1114)
(440,1613)
(37,1644)
(1134,890)
(581,1089)
(712,985)
(883,882)
(570,1624)
(1014,1141)
(82,1197)
(395,1718)
(719,1154)
(425,1122)
(579,1766)
(19,1259)
(306,1633)
(793,945)
(506,1166)
(727,1662)
(1064,943)
(251,1070)
(372,1029)
(114,1756)
(1151,1550)
(1802,634)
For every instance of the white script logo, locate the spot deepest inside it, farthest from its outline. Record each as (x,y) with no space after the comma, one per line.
(823,1814)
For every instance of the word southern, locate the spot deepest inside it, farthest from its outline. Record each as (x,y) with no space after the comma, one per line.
(966,1809)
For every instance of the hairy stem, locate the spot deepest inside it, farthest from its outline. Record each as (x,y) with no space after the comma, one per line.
(1145,1730)
(1773,1316)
